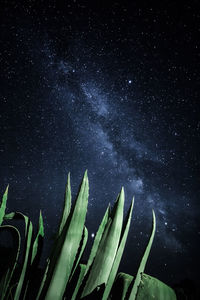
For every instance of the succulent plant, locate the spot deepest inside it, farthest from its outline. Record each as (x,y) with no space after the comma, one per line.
(65,277)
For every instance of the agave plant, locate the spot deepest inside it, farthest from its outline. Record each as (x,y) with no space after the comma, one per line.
(65,277)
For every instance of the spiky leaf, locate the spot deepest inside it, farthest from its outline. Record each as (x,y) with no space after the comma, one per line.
(39,236)
(62,261)
(97,239)
(82,248)
(143,261)
(3,205)
(67,205)
(103,261)
(119,253)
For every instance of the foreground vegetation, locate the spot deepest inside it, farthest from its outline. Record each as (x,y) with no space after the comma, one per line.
(65,277)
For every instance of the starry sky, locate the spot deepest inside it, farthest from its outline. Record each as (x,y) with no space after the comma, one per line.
(112,88)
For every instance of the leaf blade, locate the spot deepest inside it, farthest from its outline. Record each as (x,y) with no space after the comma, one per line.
(28,233)
(142,265)
(97,239)
(39,236)
(119,253)
(104,258)
(67,205)
(63,260)
(3,205)
(5,282)
(151,288)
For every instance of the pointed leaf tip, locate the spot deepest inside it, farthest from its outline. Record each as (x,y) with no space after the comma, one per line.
(122,190)
(68,185)
(141,268)
(153,213)
(133,200)
(122,194)
(85,176)
(6,191)
(154,218)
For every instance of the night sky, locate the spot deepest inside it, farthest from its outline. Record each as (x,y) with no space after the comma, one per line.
(112,88)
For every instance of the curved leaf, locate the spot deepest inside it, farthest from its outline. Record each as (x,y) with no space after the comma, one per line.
(28,235)
(5,281)
(151,288)
(121,286)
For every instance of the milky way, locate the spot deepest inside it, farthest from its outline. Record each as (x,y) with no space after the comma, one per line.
(109,98)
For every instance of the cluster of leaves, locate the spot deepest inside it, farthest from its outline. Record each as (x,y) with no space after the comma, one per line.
(65,277)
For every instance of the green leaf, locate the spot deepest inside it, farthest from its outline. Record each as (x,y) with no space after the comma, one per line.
(37,241)
(80,252)
(121,286)
(98,238)
(62,261)
(28,259)
(43,280)
(103,261)
(28,239)
(119,254)
(82,269)
(143,262)
(151,288)
(26,289)
(28,234)
(6,279)
(9,216)
(67,205)
(3,205)
(64,271)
